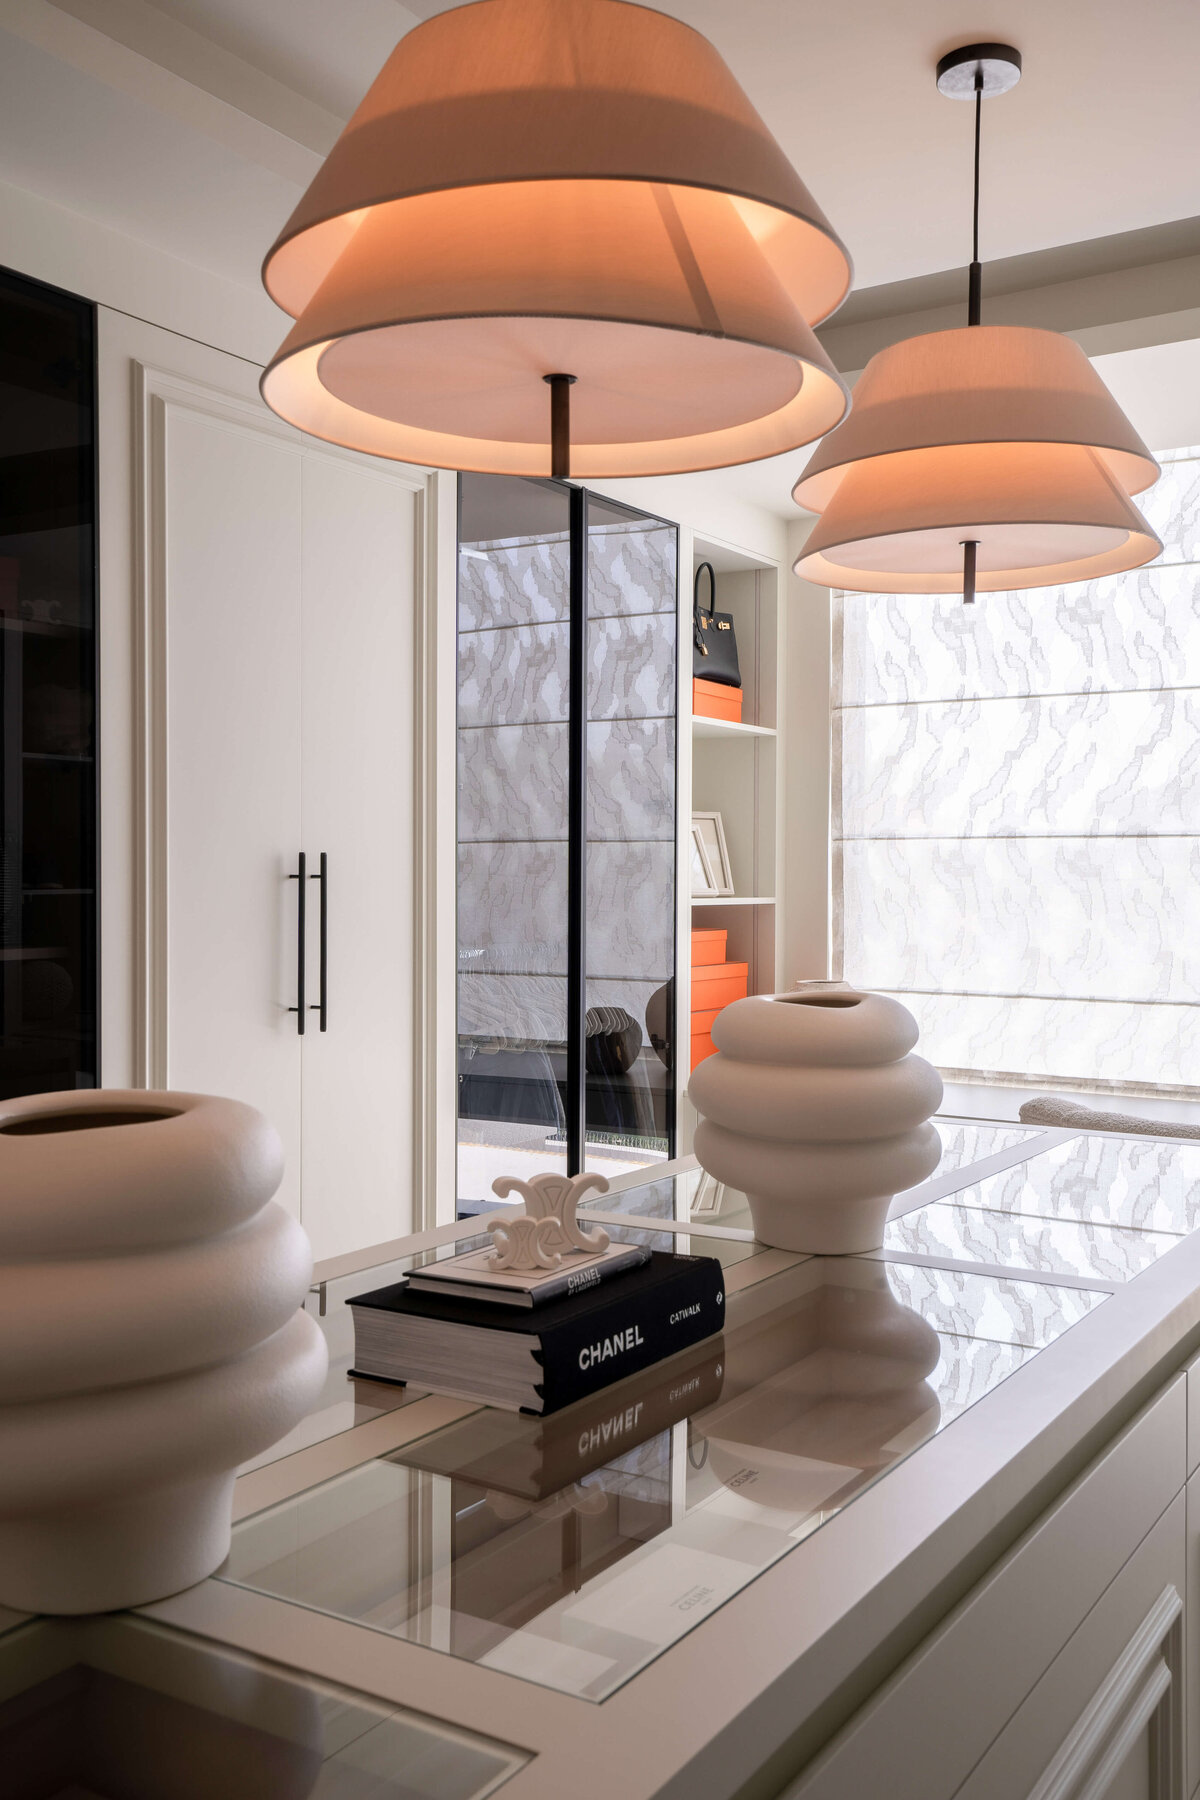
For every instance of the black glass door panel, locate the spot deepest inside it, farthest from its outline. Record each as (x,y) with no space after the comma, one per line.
(48,774)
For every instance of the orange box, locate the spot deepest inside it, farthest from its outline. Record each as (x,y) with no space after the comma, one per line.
(716,985)
(708,947)
(702,1046)
(713,700)
(703,1022)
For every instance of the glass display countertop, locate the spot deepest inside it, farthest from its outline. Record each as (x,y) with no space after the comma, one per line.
(115,1707)
(572,1551)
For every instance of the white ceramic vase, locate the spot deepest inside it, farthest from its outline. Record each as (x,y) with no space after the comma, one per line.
(816,1111)
(150,1338)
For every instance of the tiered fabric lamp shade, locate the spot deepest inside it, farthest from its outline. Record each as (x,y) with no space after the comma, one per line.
(994,433)
(534,187)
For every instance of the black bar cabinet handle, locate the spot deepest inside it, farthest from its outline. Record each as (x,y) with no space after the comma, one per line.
(301,876)
(323,878)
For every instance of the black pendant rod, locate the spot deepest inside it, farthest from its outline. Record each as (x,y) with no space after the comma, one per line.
(575,1099)
(974,310)
(560,425)
(975,279)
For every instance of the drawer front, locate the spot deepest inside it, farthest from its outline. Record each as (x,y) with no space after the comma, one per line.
(1107,1717)
(920,1737)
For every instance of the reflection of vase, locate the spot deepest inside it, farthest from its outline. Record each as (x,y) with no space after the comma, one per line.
(827,1390)
(149,1338)
(815,1109)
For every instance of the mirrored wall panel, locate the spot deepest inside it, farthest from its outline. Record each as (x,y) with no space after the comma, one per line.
(48,983)
(631,812)
(566,833)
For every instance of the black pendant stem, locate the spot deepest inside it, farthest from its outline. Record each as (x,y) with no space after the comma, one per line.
(970,547)
(975,288)
(560,425)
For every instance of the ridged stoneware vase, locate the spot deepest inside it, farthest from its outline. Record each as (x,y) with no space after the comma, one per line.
(150,1339)
(815,1109)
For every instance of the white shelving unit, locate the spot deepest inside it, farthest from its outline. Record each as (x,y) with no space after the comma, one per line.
(736,770)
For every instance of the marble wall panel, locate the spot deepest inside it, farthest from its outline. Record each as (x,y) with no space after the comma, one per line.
(1139,630)
(631,567)
(1117,1043)
(630,911)
(514,676)
(1172,506)
(631,780)
(1114,763)
(631,666)
(512,783)
(514,581)
(512,907)
(1107,918)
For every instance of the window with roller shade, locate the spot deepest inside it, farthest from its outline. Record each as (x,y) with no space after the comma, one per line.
(1016,816)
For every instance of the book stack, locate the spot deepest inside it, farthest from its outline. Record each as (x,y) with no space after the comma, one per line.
(715,983)
(536,1343)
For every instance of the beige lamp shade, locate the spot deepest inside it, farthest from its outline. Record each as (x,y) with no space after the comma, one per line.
(996,434)
(534,187)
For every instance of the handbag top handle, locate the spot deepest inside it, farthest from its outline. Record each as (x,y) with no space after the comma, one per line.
(712,589)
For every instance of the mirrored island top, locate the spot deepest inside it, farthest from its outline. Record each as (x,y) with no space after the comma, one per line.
(615,1588)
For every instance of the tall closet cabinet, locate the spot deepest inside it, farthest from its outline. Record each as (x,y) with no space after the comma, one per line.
(257,596)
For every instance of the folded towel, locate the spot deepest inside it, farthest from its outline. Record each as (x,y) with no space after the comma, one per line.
(1048,1110)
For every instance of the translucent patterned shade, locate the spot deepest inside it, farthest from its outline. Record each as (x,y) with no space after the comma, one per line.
(998,434)
(542,186)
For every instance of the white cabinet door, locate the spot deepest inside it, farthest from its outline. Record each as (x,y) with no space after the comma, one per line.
(232,584)
(357,638)
(257,690)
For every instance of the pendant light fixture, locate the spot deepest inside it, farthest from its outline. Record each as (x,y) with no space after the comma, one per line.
(557,217)
(988,457)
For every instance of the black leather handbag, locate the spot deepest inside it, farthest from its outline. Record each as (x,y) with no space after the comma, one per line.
(714,641)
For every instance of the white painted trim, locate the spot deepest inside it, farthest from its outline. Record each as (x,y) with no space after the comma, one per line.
(435,705)
(1131,1694)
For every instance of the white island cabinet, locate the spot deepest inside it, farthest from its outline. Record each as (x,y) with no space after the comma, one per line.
(920,1524)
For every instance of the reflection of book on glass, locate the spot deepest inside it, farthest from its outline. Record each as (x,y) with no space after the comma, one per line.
(533,1458)
(472,1278)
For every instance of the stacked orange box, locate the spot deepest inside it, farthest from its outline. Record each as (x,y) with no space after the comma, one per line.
(714,700)
(715,983)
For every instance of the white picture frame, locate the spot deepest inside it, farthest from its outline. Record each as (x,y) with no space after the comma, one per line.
(711,830)
(703,883)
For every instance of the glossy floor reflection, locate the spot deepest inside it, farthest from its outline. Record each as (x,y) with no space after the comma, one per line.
(120,1709)
(573,1550)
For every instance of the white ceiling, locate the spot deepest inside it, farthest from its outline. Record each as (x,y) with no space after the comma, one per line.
(1099,137)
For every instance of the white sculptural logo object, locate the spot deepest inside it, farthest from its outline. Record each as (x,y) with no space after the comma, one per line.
(547,1230)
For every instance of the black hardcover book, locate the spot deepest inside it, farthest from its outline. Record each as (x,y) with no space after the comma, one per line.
(550,1356)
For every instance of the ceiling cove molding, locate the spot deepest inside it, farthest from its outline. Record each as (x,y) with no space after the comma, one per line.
(1109,294)
(142,53)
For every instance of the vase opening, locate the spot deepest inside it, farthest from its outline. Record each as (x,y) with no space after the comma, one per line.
(90,1119)
(820,999)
